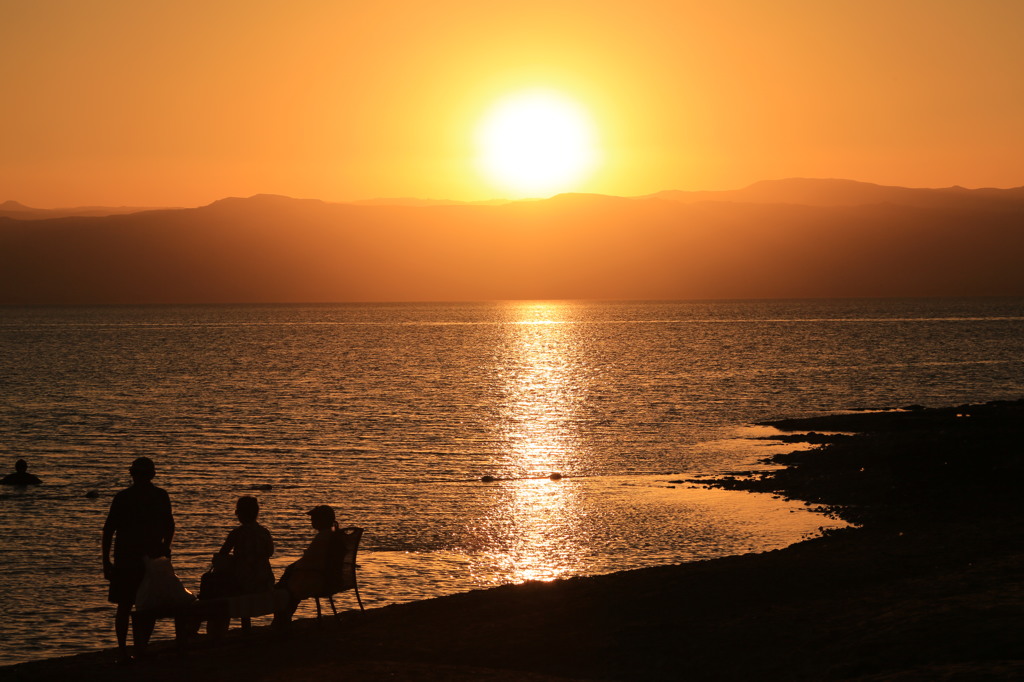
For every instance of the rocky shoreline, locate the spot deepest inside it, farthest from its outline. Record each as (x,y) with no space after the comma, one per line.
(927,586)
(903,466)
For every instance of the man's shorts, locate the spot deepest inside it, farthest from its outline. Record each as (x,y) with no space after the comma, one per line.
(127,576)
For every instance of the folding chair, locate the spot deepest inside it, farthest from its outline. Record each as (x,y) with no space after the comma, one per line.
(340,573)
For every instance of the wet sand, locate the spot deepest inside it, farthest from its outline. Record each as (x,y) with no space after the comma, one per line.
(930,587)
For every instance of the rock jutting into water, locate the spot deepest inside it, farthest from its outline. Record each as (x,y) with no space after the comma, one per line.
(899,466)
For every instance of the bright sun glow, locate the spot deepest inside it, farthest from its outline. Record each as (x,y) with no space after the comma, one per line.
(536,144)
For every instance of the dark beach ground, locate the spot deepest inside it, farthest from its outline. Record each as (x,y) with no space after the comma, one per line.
(928,587)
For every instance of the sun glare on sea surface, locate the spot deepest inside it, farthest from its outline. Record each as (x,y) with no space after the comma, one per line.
(536,143)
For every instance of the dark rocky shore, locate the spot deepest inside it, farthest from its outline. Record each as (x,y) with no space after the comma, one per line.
(928,586)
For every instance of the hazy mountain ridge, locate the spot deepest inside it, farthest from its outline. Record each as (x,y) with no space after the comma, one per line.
(803,191)
(831,192)
(276,249)
(19,211)
(412,201)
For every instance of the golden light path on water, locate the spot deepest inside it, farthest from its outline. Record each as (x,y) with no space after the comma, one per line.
(537,426)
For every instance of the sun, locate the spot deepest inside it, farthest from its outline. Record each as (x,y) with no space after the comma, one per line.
(536,143)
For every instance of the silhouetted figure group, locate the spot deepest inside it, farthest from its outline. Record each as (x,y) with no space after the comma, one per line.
(140,524)
(20,475)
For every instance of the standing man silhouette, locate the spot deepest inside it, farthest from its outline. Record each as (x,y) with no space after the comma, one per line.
(139,524)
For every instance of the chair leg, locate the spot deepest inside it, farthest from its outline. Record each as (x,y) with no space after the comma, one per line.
(317,600)
(358,598)
(330,599)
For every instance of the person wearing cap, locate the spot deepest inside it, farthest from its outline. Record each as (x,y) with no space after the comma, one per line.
(139,524)
(305,577)
(21,476)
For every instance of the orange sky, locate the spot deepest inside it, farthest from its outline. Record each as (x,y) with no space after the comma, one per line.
(120,102)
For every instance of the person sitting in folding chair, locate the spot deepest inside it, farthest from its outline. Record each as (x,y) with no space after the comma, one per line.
(305,577)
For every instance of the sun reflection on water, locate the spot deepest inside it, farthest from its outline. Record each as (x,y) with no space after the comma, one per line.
(541,388)
(538,538)
(533,521)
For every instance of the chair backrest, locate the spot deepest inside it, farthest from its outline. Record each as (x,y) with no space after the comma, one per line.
(341,560)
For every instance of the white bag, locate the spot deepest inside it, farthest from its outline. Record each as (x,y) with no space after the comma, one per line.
(161,590)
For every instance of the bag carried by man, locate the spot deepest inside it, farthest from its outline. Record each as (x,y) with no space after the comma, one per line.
(161,589)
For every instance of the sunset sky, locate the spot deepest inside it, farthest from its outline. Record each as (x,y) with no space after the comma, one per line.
(121,102)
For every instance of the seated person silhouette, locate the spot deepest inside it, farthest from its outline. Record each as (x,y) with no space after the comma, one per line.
(245,557)
(305,577)
(20,475)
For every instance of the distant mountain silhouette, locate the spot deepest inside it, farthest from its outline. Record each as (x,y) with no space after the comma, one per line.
(815,192)
(408,201)
(788,239)
(19,211)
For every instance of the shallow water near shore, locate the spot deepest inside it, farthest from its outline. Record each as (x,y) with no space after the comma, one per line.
(393,413)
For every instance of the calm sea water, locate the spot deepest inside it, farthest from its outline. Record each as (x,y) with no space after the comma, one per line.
(393,413)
